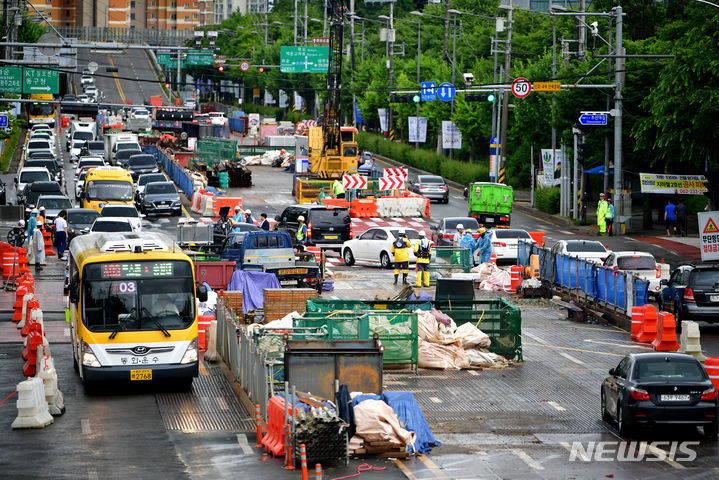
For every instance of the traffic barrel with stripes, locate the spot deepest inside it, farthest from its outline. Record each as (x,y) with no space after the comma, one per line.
(712,367)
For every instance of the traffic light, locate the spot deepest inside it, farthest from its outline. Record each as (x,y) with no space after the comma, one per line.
(167,85)
(580,153)
(416,99)
(263,69)
(478,97)
(401,98)
(221,68)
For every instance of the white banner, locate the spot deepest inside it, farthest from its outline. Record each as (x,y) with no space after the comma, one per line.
(550,170)
(709,235)
(673,184)
(417,129)
(298,102)
(451,135)
(283,99)
(383,119)
(269,99)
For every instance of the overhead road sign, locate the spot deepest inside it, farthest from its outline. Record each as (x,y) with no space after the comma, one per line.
(521,87)
(354,181)
(11,79)
(673,184)
(446,92)
(201,59)
(304,59)
(546,86)
(593,118)
(709,235)
(428,91)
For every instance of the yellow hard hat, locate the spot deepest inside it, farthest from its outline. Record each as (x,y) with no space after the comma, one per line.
(482,230)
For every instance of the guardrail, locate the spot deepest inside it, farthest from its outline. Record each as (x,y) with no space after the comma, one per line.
(589,281)
(176,172)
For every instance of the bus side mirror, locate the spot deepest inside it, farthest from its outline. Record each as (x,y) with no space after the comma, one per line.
(202,293)
(74,293)
(82,195)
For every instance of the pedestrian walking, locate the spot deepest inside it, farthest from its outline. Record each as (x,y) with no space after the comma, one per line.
(61,234)
(681,213)
(670,218)
(338,191)
(423,251)
(301,235)
(602,210)
(610,217)
(400,251)
(264,223)
(484,245)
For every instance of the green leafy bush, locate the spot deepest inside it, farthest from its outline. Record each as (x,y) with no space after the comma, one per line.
(10,145)
(547,199)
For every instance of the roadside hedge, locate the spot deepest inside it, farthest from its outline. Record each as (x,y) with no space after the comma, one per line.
(547,199)
(10,146)
(455,170)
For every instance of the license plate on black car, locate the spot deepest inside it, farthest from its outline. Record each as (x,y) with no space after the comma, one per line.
(714,298)
(675,398)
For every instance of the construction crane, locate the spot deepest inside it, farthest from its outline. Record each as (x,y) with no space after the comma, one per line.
(332,147)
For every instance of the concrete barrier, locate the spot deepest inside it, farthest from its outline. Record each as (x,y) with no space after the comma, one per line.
(32,407)
(690,341)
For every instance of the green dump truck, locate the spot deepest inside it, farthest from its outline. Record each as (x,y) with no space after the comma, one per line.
(490,203)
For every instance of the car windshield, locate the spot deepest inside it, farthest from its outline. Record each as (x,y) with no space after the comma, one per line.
(82,218)
(126,146)
(585,247)
(330,215)
(34,176)
(109,190)
(657,369)
(426,179)
(511,234)
(451,224)
(145,179)
(117,226)
(49,164)
(636,262)
(142,161)
(164,187)
(701,279)
(89,163)
(410,234)
(83,136)
(119,211)
(78,144)
(54,203)
(140,302)
(41,154)
(38,145)
(125,154)
(96,146)
(141,113)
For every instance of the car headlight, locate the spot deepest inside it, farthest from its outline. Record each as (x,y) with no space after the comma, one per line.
(191,353)
(176,203)
(88,356)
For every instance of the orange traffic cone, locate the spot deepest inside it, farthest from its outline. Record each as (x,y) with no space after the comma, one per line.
(493,258)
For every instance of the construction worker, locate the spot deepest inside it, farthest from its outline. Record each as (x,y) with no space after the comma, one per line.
(400,250)
(41,219)
(469,243)
(338,191)
(239,217)
(423,252)
(457,239)
(248,217)
(484,245)
(610,217)
(602,213)
(301,235)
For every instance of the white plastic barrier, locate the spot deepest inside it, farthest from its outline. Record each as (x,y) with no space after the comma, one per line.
(26,298)
(45,368)
(32,409)
(690,341)
(208,204)
(211,339)
(196,201)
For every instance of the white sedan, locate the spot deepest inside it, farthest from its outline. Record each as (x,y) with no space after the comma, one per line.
(591,250)
(641,264)
(505,242)
(111,225)
(375,245)
(128,212)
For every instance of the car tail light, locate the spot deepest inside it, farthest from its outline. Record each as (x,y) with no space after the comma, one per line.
(447,235)
(351,233)
(504,219)
(689,294)
(499,244)
(639,394)
(309,230)
(710,394)
(659,271)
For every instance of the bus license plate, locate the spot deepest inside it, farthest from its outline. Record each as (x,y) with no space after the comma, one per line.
(145,374)
(675,398)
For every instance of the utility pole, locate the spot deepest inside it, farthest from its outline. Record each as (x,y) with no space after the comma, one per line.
(419,82)
(607,142)
(295,22)
(306,21)
(582,33)
(390,47)
(445,52)
(454,61)
(618,75)
(352,54)
(505,97)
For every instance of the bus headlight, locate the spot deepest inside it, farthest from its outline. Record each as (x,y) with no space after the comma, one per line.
(88,356)
(191,352)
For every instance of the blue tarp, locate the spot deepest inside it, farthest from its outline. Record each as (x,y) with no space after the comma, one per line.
(641,292)
(251,285)
(599,170)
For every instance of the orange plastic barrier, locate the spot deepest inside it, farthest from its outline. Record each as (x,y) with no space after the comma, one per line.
(637,319)
(23,261)
(274,438)
(534,265)
(47,238)
(27,328)
(336,202)
(493,258)
(317,252)
(711,364)
(204,324)
(538,237)
(17,314)
(648,331)
(364,208)
(666,340)
(226,202)
(34,340)
(516,276)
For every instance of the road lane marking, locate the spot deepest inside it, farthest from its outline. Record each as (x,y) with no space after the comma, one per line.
(85,426)
(662,454)
(403,468)
(473,372)
(185,212)
(619,344)
(117,80)
(557,406)
(203,369)
(571,358)
(242,440)
(534,337)
(431,466)
(527,459)
(574,349)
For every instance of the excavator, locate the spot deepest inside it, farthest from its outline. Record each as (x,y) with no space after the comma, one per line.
(332,148)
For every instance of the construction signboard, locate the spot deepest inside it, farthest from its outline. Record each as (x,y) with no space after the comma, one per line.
(709,235)
(673,184)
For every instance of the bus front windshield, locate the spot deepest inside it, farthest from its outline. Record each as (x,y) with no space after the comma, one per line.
(150,299)
(41,109)
(109,190)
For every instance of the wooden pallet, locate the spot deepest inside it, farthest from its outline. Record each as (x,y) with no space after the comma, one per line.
(382,449)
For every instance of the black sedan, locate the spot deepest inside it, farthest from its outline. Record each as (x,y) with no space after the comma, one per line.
(659,388)
(79,221)
(430,186)
(161,197)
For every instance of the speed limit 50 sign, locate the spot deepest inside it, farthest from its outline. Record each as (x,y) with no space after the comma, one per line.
(521,87)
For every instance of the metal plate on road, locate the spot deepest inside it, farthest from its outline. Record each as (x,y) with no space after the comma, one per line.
(593,119)
(304,59)
(521,87)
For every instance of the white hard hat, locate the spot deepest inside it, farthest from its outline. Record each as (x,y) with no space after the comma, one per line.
(237,208)
(42,209)
(34,210)
(422,234)
(21,223)
(401,231)
(300,218)
(248,211)
(460,226)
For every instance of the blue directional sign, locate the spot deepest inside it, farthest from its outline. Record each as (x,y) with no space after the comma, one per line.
(3,121)
(593,119)
(429,91)
(446,92)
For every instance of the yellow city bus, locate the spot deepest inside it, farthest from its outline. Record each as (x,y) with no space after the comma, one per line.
(41,111)
(107,185)
(132,308)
